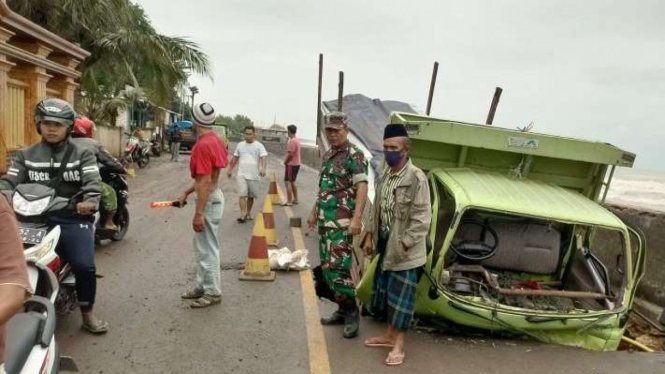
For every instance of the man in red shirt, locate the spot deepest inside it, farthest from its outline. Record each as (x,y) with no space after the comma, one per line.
(208,158)
(292,164)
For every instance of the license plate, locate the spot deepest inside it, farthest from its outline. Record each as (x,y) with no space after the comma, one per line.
(32,236)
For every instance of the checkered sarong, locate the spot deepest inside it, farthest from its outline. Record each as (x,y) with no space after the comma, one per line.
(394,296)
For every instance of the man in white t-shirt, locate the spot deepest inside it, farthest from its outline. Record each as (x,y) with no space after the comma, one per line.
(251,158)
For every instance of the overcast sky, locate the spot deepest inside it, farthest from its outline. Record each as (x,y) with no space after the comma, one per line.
(589,69)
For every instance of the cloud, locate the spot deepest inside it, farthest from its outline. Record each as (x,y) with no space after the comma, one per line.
(590,69)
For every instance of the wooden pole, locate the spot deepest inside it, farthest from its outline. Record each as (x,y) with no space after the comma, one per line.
(431,87)
(495,103)
(318,102)
(340,94)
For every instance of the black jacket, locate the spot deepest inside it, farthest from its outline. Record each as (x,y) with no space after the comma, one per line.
(109,163)
(40,163)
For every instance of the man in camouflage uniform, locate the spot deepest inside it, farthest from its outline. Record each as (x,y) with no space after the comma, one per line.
(338,213)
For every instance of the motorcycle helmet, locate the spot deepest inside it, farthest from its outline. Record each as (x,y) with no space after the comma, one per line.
(54,110)
(83,128)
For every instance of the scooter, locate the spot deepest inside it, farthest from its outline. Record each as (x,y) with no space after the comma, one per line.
(32,347)
(156,145)
(121,187)
(33,204)
(137,150)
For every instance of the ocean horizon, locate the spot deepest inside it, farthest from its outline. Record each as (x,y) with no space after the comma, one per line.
(642,189)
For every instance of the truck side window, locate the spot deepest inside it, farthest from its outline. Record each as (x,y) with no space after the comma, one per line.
(444,217)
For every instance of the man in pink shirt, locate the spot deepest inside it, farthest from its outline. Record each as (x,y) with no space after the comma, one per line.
(292,163)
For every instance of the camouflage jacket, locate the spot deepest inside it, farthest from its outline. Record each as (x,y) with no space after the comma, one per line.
(341,170)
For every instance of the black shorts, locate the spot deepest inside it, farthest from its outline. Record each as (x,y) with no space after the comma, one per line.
(291,173)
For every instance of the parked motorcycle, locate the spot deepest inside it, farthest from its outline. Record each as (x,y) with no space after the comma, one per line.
(121,187)
(156,145)
(137,151)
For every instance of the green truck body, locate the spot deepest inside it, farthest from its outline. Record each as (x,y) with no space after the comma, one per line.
(520,240)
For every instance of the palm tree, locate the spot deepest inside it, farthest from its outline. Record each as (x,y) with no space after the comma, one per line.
(125,49)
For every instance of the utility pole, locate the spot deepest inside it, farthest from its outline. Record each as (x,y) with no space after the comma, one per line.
(194,90)
(495,104)
(431,87)
(340,93)
(318,102)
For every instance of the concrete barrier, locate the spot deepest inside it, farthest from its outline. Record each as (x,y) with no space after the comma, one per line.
(652,286)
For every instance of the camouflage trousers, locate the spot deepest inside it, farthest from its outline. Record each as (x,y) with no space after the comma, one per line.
(335,252)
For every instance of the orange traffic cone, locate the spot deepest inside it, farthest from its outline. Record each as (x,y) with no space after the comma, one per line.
(257,266)
(269,223)
(272,190)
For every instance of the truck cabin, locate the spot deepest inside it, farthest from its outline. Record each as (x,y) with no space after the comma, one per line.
(518,218)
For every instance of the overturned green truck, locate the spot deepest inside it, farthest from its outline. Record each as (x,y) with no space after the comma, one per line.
(519,239)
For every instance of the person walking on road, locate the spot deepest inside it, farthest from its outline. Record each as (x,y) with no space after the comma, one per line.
(176,138)
(292,166)
(208,158)
(337,214)
(14,285)
(251,157)
(400,220)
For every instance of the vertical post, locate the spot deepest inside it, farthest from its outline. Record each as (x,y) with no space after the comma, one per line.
(340,93)
(608,183)
(431,87)
(495,103)
(318,102)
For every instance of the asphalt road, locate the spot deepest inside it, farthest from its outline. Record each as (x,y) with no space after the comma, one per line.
(261,327)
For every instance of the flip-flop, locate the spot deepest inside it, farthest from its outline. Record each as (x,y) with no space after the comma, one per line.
(241,220)
(248,218)
(399,360)
(287,204)
(100,328)
(192,294)
(205,301)
(374,343)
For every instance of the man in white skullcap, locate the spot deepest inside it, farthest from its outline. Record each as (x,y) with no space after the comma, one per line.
(208,158)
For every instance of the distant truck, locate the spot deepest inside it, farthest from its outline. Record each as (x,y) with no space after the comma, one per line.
(189,137)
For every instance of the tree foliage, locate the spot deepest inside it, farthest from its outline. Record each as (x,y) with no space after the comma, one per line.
(236,123)
(125,50)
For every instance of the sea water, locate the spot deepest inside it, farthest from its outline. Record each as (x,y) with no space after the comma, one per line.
(639,189)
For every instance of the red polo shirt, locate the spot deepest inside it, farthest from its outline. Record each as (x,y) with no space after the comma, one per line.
(208,154)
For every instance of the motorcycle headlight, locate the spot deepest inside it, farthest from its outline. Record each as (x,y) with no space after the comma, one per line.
(39,251)
(29,208)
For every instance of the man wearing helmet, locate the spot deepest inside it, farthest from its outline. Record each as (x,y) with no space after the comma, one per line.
(82,136)
(79,176)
